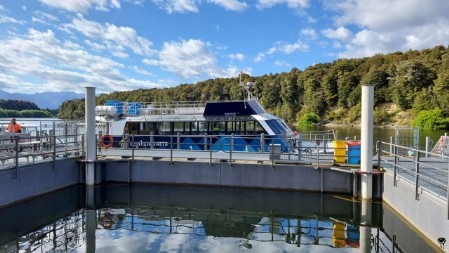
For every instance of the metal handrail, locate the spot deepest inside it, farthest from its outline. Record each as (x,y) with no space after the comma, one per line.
(419,170)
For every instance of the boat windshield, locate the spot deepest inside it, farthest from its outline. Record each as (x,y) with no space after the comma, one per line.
(277,126)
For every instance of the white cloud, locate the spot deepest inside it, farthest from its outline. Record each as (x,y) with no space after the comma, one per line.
(388,15)
(54,66)
(294,4)
(272,50)
(191,58)
(82,5)
(181,6)
(282,63)
(387,26)
(291,48)
(259,57)
(309,33)
(44,18)
(238,56)
(141,71)
(341,33)
(125,37)
(5,19)
(233,5)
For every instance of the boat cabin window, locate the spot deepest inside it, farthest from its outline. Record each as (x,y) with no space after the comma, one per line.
(277,126)
(165,128)
(195,128)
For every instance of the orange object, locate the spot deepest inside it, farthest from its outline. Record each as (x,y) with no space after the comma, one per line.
(106,141)
(14,127)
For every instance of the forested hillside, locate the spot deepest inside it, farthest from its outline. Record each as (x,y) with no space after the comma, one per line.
(408,86)
(22,109)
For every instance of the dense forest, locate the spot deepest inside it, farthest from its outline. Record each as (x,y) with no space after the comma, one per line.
(22,109)
(410,88)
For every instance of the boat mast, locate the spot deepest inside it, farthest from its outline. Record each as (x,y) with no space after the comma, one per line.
(247,88)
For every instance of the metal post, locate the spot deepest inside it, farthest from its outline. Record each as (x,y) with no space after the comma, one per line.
(231,145)
(272,154)
(83,151)
(90,135)
(417,176)
(262,142)
(54,146)
(379,153)
(16,140)
(171,149)
(178,140)
(395,154)
(299,145)
(391,144)
(210,150)
(133,147)
(428,146)
(317,143)
(366,164)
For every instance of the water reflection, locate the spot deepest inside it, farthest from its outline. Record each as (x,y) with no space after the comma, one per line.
(145,218)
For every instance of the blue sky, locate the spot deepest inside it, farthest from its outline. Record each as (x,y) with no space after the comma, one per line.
(117,45)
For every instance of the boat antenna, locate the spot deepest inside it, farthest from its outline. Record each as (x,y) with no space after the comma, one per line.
(247,88)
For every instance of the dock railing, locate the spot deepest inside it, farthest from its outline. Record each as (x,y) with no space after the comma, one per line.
(426,171)
(220,148)
(40,141)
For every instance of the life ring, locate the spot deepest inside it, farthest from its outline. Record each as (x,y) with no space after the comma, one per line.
(106,141)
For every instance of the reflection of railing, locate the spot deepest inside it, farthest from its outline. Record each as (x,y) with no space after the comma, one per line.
(426,171)
(63,235)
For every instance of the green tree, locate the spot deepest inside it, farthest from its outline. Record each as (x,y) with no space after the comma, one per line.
(308,120)
(431,119)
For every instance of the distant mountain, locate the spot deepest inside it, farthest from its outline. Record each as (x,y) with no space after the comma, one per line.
(50,100)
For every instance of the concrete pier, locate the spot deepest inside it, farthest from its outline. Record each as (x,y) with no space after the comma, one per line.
(90,135)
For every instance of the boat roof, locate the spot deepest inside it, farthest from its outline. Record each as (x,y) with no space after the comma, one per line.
(233,108)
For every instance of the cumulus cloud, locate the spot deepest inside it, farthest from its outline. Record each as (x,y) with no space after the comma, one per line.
(341,33)
(309,33)
(233,5)
(82,5)
(294,4)
(386,25)
(125,37)
(259,57)
(56,65)
(181,6)
(188,58)
(238,56)
(282,63)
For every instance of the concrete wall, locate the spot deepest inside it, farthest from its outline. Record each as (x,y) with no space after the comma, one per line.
(37,179)
(429,214)
(285,177)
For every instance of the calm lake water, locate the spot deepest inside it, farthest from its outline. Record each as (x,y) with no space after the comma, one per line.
(158,218)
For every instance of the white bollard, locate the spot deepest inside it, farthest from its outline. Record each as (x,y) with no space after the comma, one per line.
(90,135)
(366,163)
